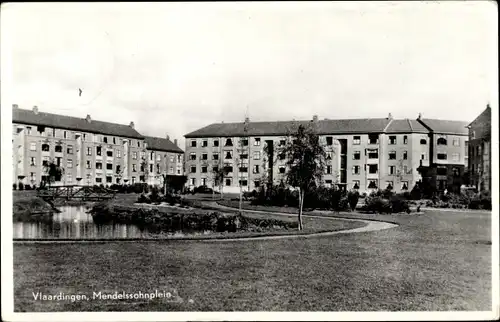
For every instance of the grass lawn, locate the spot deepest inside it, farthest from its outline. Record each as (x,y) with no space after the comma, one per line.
(435,261)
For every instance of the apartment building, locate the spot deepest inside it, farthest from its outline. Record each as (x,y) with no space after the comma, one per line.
(89,151)
(361,153)
(448,151)
(479,151)
(164,159)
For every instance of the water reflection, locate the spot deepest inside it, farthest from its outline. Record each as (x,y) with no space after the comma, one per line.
(74,222)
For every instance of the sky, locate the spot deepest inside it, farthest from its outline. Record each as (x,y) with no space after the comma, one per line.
(173,68)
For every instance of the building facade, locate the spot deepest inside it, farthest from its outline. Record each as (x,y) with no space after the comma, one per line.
(163,159)
(480,151)
(89,151)
(361,153)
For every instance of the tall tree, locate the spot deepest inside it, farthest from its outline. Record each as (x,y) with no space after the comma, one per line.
(305,162)
(54,172)
(218,174)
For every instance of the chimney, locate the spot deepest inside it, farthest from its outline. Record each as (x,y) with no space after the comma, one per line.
(168,137)
(419,116)
(35,109)
(15,106)
(247,120)
(315,118)
(389,117)
(132,125)
(88,119)
(175,142)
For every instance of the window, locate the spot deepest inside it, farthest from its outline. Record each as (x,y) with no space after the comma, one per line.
(328,182)
(58,149)
(455,157)
(98,150)
(192,156)
(193,169)
(98,165)
(228,182)
(114,140)
(33,146)
(204,143)
(356,155)
(404,185)
(282,170)
(329,140)
(150,168)
(134,167)
(392,155)
(45,147)
(171,158)
(282,156)
(423,156)
(372,154)
(69,164)
(373,168)
(118,153)
(423,141)
(355,184)
(193,143)
(405,155)
(456,172)
(442,171)
(204,156)
(158,158)
(193,181)
(109,166)
(372,184)
(32,161)
(256,168)
(389,184)
(216,142)
(256,155)
(478,150)
(179,158)
(99,180)
(88,165)
(215,156)
(405,139)
(442,156)
(392,170)
(456,142)
(157,168)
(256,141)
(243,167)
(373,138)
(356,140)
(109,153)
(355,169)
(228,168)
(442,141)
(151,156)
(229,142)
(243,156)
(282,142)
(329,155)
(28,130)
(203,181)
(143,155)
(134,155)
(229,155)
(243,183)
(138,144)
(69,149)
(405,169)
(328,169)
(109,179)
(105,139)
(204,169)
(244,142)
(89,151)
(46,161)
(58,161)
(392,139)
(256,183)
(171,170)
(69,178)
(40,129)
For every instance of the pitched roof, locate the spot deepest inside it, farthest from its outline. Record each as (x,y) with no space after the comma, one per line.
(161,144)
(406,126)
(485,115)
(73,123)
(275,128)
(446,126)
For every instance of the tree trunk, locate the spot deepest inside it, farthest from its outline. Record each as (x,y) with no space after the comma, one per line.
(301,203)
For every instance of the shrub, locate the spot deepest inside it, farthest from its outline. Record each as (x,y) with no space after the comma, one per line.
(14,186)
(378,204)
(143,199)
(399,204)
(21,186)
(155,195)
(353,198)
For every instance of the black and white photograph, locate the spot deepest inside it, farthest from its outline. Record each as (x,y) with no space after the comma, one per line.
(250,161)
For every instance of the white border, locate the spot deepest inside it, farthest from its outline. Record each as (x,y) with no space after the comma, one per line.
(7,245)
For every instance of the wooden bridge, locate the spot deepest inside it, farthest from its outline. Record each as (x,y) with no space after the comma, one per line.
(84,193)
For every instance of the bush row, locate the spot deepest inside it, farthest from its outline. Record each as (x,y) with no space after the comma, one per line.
(22,186)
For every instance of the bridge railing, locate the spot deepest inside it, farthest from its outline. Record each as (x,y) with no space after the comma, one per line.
(76,192)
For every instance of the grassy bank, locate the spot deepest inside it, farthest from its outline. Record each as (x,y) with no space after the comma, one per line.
(436,261)
(25,203)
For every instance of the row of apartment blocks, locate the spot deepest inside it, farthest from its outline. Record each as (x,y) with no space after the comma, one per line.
(361,153)
(89,151)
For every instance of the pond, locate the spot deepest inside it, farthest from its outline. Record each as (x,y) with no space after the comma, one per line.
(73,222)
